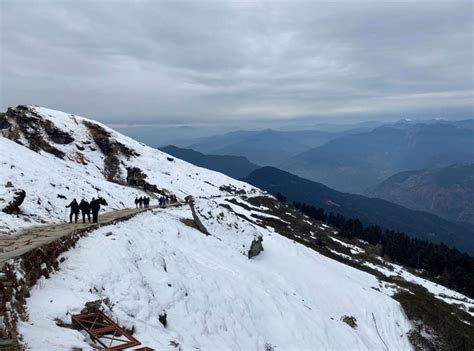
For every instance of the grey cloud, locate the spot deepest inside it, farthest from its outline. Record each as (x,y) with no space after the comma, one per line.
(203,61)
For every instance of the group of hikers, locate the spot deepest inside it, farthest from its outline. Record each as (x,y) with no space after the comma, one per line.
(86,208)
(142,202)
(167,199)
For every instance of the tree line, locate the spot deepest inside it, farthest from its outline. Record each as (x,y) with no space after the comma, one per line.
(440,263)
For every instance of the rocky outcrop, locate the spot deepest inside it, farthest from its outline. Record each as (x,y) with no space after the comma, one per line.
(14,205)
(255,247)
(112,150)
(136,177)
(23,122)
(4,124)
(57,135)
(231,189)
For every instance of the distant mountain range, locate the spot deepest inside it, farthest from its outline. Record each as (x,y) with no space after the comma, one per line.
(356,162)
(447,192)
(369,210)
(266,147)
(234,166)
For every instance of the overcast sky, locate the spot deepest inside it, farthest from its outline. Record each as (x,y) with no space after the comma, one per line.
(227,61)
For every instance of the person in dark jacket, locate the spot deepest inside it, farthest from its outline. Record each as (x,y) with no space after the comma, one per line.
(74,210)
(85,211)
(136,202)
(95,207)
(146,201)
(140,202)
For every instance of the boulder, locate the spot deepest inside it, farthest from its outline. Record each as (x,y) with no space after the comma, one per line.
(255,247)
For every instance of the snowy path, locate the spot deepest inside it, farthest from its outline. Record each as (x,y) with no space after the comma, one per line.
(34,237)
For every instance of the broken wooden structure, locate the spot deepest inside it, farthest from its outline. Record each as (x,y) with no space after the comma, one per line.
(105,331)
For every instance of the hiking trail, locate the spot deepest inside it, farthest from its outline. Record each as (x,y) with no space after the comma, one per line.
(33,237)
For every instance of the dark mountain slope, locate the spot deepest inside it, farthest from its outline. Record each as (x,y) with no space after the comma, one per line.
(233,166)
(354,163)
(447,192)
(369,210)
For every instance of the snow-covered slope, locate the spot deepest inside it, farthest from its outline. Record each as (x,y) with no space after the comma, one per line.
(52,181)
(215,298)
(297,294)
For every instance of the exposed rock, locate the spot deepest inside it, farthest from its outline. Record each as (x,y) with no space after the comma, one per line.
(162,318)
(92,306)
(111,148)
(255,247)
(4,124)
(350,321)
(136,177)
(57,135)
(9,185)
(231,189)
(14,205)
(23,120)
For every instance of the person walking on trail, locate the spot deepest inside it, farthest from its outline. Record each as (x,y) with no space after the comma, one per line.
(140,202)
(146,201)
(136,202)
(85,211)
(74,210)
(95,208)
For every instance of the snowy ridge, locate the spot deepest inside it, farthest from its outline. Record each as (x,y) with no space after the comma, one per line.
(47,179)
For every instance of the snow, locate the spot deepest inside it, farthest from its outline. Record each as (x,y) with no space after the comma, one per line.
(215,297)
(354,249)
(44,176)
(438,291)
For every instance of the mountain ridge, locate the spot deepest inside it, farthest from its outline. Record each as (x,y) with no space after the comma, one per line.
(234,166)
(356,162)
(447,192)
(371,211)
